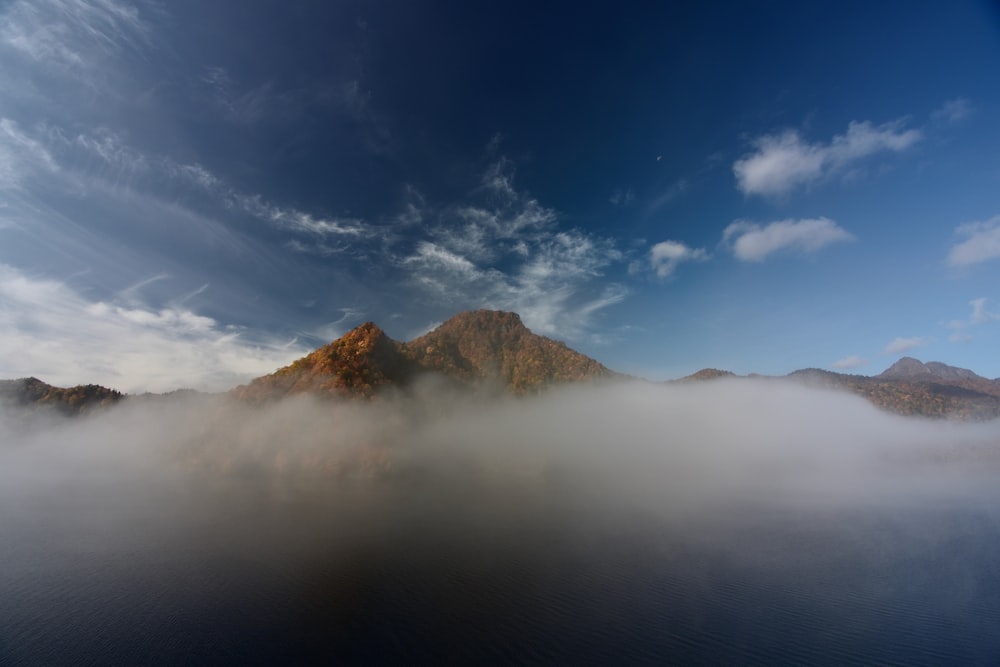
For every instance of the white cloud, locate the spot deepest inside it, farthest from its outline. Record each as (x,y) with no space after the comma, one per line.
(982,313)
(112,150)
(901,345)
(953,110)
(197,174)
(72,34)
(676,189)
(782,162)
(506,253)
(982,243)
(752,243)
(853,361)
(665,256)
(50,331)
(499,179)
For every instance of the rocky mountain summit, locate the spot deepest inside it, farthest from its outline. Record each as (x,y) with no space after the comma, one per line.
(475,348)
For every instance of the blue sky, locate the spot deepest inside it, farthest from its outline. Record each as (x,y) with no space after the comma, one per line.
(193,194)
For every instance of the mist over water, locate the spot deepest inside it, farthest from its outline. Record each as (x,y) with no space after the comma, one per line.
(731,521)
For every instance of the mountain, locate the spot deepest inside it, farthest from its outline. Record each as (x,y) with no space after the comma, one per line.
(33,394)
(493,350)
(911,369)
(474,348)
(908,387)
(706,374)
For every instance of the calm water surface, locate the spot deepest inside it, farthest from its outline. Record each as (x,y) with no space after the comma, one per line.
(108,571)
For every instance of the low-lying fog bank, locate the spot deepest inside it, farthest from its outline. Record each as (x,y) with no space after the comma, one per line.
(693,524)
(635,441)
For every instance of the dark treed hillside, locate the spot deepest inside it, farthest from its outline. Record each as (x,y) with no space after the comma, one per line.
(908,387)
(34,394)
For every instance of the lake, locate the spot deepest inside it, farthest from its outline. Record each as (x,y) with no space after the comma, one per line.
(119,568)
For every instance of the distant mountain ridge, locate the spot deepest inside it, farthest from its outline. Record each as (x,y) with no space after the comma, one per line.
(908,387)
(472,348)
(494,349)
(34,394)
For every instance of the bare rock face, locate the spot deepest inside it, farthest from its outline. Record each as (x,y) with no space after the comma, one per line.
(472,348)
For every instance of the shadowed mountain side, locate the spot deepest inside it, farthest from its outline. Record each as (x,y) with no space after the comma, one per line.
(475,348)
(911,369)
(908,387)
(33,394)
(930,397)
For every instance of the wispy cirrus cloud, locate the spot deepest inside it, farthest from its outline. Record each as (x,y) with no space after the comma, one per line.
(103,156)
(982,313)
(981,243)
(666,256)
(782,162)
(622,197)
(21,154)
(901,345)
(262,102)
(954,110)
(73,34)
(123,343)
(850,362)
(505,251)
(751,242)
(672,192)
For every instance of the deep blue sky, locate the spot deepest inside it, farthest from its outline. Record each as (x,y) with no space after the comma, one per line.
(195,193)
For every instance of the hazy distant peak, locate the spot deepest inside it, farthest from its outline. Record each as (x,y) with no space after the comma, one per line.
(910,368)
(707,374)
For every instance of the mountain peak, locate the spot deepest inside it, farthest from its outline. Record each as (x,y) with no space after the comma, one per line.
(496,322)
(495,345)
(706,374)
(908,368)
(365,335)
(469,348)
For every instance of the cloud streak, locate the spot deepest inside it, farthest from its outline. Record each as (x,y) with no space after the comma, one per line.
(954,110)
(751,242)
(981,244)
(846,363)
(903,345)
(782,162)
(982,313)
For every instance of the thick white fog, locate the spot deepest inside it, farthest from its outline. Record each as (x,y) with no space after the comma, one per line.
(679,448)
(707,519)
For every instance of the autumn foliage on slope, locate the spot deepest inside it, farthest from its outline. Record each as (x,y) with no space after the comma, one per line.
(470,349)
